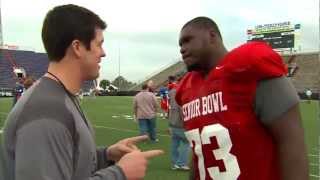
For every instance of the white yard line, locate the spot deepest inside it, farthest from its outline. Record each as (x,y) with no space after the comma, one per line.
(3,113)
(165,135)
(105,127)
(128,130)
(313,164)
(313,155)
(312,175)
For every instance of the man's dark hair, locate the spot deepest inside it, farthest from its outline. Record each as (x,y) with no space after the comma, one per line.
(171,78)
(144,86)
(66,23)
(203,22)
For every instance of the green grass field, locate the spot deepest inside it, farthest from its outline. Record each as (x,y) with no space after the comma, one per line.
(109,115)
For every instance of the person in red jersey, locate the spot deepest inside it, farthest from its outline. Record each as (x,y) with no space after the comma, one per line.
(172,82)
(240,112)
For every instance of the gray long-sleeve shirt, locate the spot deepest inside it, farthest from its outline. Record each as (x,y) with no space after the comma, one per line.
(175,112)
(46,137)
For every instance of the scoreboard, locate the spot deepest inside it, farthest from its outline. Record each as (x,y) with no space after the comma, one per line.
(276,39)
(278,36)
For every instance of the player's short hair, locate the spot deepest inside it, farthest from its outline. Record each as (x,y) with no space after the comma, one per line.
(144,86)
(171,78)
(203,22)
(66,23)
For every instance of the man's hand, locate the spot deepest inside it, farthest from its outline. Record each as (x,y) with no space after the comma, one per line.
(134,164)
(116,151)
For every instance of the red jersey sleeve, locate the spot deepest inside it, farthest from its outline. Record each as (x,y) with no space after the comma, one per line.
(266,62)
(254,60)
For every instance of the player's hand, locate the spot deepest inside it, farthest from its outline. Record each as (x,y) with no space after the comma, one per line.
(134,164)
(116,151)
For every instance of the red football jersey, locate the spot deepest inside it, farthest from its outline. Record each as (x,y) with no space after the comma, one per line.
(172,85)
(228,140)
(164,104)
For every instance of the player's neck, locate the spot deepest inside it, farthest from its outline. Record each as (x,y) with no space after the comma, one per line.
(214,61)
(67,74)
(219,56)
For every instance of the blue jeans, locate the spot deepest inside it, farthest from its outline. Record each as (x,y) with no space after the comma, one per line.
(148,126)
(180,147)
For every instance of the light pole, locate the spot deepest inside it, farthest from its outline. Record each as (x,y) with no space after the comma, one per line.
(119,66)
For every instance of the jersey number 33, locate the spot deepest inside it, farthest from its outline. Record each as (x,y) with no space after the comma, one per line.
(198,139)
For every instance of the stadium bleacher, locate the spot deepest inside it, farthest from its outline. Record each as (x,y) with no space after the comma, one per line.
(35,64)
(161,79)
(306,75)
